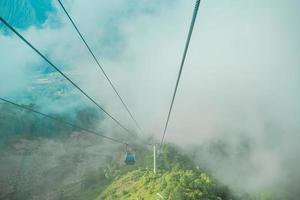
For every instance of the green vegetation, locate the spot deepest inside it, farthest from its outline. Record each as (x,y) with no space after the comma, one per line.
(176,179)
(176,184)
(17,122)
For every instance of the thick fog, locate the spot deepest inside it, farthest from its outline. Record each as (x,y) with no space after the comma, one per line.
(237,107)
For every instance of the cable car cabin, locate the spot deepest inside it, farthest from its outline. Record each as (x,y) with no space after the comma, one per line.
(129,158)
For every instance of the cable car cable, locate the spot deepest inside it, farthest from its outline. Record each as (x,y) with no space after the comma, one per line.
(65,76)
(62,121)
(181,67)
(101,68)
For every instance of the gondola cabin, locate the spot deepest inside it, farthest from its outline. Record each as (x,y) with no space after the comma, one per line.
(129,158)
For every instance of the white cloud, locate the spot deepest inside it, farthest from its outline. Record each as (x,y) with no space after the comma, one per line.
(241,73)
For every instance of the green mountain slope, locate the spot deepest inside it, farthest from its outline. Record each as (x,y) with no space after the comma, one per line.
(176,184)
(177,178)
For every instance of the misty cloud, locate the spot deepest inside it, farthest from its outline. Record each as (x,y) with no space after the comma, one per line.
(239,90)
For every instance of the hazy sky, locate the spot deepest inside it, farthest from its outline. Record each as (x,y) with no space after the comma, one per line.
(241,78)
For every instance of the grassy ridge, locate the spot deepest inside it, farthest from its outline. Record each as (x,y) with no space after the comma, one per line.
(175,184)
(177,178)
